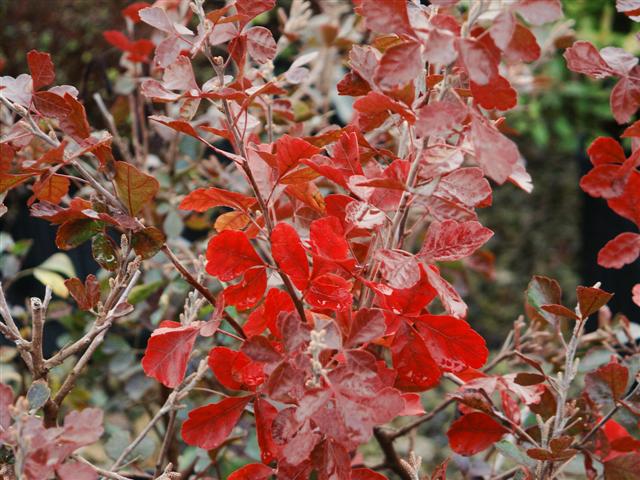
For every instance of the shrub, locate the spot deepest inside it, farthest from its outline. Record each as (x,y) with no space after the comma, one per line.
(323,305)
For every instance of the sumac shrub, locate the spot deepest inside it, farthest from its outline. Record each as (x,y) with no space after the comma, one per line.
(335,163)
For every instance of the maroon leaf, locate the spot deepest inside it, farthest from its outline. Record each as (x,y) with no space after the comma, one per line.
(41,68)
(591,299)
(260,44)
(86,295)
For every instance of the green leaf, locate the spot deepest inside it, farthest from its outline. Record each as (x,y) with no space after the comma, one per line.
(59,262)
(134,187)
(53,280)
(104,251)
(73,233)
(38,394)
(140,293)
(544,291)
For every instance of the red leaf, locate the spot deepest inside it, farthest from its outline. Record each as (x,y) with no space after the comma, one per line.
(75,122)
(51,105)
(289,254)
(132,11)
(591,299)
(267,314)
(465,185)
(386,16)
(252,8)
(478,61)
(328,240)
(249,291)
(253,471)
(538,12)
(221,361)
(399,65)
(606,150)
(260,44)
(583,57)
(502,29)
(495,153)
(632,132)
(627,204)
(498,94)
(449,240)
(440,47)
(290,151)
(623,249)
(366,474)
(203,199)
(398,268)
(9,181)
(608,383)
(52,189)
(76,471)
(452,343)
(416,368)
(265,413)
(168,351)
(374,108)
(207,427)
(450,298)
(473,433)
(523,46)
(367,325)
(606,181)
(135,188)
(625,99)
(230,254)
(635,292)
(439,117)
(329,291)
(41,68)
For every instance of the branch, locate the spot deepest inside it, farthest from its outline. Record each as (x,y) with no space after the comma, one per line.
(608,416)
(38,313)
(111,315)
(169,405)
(392,460)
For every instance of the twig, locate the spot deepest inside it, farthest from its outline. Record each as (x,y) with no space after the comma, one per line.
(168,436)
(101,471)
(416,423)
(204,291)
(122,146)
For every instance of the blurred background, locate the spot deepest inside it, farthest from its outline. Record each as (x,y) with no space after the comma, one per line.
(555,231)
